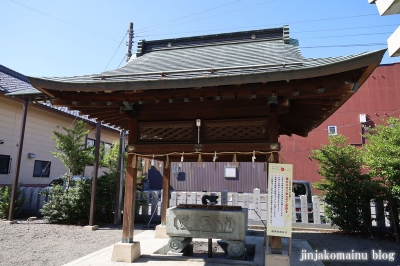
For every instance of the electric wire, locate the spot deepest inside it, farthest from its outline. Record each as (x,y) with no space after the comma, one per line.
(116,50)
(346,35)
(231,11)
(258,27)
(121,61)
(275,24)
(194,14)
(344,45)
(64,21)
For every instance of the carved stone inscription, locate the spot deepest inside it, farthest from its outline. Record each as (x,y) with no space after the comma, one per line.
(205,224)
(230,225)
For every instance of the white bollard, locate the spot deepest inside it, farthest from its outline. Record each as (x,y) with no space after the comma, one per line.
(257,201)
(235,199)
(304,209)
(173,202)
(193,198)
(245,200)
(316,209)
(183,199)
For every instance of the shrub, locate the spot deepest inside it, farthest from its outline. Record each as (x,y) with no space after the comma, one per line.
(68,205)
(5,198)
(73,205)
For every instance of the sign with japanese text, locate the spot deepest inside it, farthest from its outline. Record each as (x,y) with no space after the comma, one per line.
(279,201)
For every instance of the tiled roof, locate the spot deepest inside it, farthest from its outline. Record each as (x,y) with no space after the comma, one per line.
(14,82)
(212,56)
(213,72)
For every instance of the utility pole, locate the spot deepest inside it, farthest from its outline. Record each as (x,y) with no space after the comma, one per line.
(130,42)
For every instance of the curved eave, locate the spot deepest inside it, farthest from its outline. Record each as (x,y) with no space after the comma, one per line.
(370,60)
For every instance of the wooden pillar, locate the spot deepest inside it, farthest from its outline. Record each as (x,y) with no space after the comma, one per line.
(95,173)
(14,188)
(165,195)
(130,188)
(273,135)
(120,175)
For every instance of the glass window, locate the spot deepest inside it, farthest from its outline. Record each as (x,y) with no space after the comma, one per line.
(41,169)
(332,130)
(107,147)
(5,162)
(90,142)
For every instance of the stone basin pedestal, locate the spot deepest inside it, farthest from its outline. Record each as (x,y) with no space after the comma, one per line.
(207,221)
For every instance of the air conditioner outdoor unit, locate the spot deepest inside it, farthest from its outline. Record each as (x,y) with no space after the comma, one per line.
(363,118)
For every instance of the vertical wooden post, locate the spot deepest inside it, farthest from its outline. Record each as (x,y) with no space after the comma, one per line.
(14,188)
(130,188)
(273,135)
(118,193)
(95,173)
(165,195)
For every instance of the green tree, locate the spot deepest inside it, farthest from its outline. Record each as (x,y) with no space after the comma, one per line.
(72,150)
(345,189)
(382,158)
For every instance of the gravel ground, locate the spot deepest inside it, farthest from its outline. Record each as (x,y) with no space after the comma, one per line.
(40,243)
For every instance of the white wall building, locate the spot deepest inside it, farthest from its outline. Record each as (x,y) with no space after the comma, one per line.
(42,120)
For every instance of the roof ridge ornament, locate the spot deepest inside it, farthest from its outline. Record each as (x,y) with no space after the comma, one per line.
(285,34)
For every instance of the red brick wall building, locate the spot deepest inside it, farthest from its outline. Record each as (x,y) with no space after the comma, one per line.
(379,97)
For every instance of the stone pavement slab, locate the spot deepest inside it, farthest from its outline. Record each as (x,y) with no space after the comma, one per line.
(153,248)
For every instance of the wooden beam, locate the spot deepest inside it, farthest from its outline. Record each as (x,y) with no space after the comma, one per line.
(293,102)
(165,148)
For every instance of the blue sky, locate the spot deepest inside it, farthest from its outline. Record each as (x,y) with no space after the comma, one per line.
(79,37)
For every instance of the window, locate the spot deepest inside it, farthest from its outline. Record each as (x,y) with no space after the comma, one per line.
(107,147)
(332,130)
(41,169)
(90,142)
(5,162)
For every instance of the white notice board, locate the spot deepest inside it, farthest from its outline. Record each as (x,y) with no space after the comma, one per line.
(279,213)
